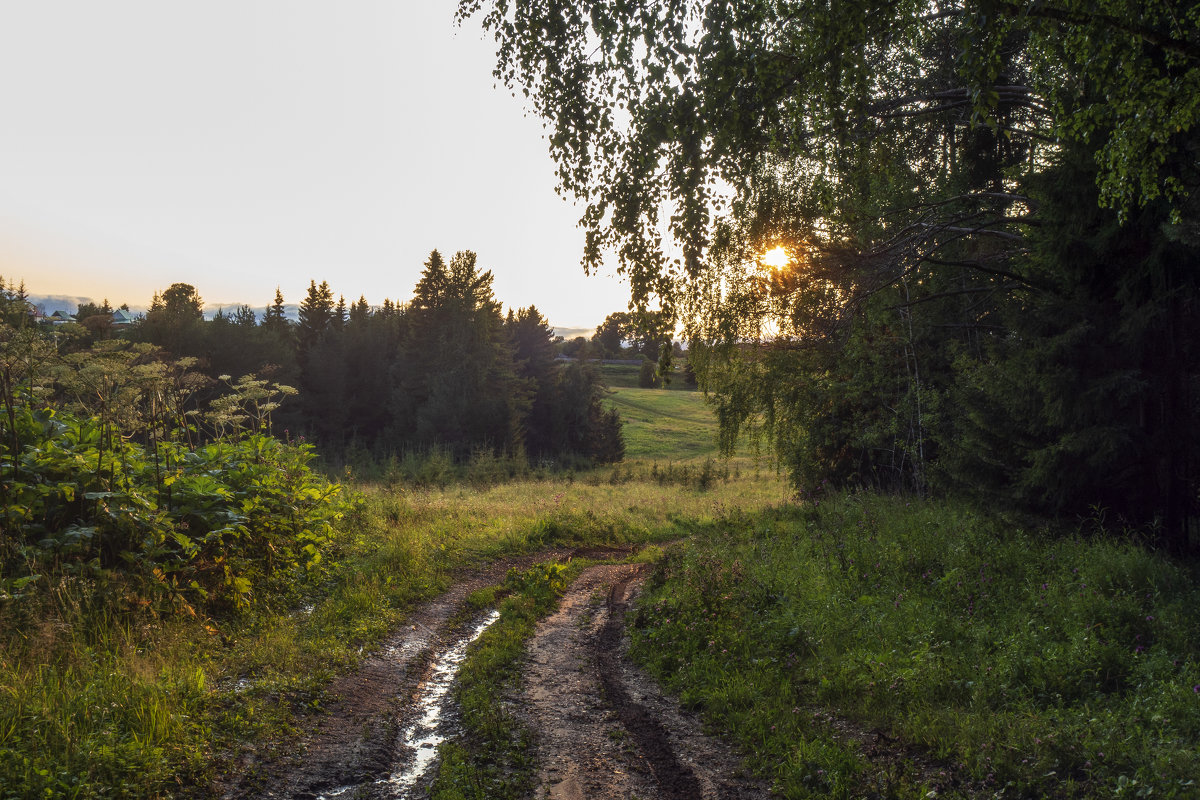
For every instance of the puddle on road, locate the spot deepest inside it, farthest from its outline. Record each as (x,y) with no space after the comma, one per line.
(424,734)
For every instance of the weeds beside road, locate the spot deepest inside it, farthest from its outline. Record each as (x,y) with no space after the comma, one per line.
(870,646)
(130,704)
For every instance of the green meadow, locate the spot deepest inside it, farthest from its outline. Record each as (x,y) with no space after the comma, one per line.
(664,425)
(1006,659)
(102,698)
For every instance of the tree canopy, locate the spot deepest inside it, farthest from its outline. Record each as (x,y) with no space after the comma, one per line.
(989,209)
(656,110)
(446,371)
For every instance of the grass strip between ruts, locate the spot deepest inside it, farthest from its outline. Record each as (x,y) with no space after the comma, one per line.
(493,759)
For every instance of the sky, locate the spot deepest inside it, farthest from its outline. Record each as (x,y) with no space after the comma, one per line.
(240,145)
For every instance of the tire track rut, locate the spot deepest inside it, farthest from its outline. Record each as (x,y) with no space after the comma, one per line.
(603,729)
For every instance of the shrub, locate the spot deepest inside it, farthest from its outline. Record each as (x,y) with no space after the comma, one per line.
(212,527)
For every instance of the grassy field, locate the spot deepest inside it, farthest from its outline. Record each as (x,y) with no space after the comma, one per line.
(1020,663)
(99,698)
(666,425)
(661,424)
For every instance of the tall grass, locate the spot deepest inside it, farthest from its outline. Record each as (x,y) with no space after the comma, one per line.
(1019,662)
(106,700)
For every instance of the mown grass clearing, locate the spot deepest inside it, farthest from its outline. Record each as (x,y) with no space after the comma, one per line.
(1021,664)
(666,425)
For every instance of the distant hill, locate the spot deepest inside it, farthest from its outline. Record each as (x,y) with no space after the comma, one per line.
(49,303)
(571,333)
(68,304)
(290,310)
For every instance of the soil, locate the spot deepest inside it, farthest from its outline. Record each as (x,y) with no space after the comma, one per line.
(352,740)
(602,728)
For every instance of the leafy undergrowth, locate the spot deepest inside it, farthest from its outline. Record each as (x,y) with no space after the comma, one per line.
(206,529)
(493,760)
(104,540)
(1021,664)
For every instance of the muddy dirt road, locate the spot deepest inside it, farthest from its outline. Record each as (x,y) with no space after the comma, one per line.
(602,729)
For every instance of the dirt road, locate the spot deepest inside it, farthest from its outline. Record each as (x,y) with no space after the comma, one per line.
(602,728)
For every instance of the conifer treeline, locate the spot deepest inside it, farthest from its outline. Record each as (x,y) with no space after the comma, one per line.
(448,370)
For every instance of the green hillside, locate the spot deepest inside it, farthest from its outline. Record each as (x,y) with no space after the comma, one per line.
(665,425)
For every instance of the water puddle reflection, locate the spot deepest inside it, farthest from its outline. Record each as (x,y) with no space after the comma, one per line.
(421,738)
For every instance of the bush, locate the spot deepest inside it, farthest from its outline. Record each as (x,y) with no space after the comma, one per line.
(648,376)
(211,528)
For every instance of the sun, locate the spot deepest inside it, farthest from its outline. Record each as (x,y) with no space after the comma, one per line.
(776,257)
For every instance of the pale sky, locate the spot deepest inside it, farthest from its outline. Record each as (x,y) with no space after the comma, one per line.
(237,145)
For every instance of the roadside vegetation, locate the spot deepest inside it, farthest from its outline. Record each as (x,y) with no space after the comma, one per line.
(100,702)
(167,603)
(1004,661)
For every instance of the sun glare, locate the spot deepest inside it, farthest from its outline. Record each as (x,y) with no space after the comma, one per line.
(776,257)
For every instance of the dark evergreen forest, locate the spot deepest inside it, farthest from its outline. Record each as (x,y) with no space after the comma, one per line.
(447,371)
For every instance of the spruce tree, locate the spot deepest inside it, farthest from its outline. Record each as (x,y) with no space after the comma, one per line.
(455,381)
(316,315)
(274,316)
(321,364)
(533,349)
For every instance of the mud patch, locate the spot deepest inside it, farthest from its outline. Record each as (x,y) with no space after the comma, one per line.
(417,750)
(354,740)
(603,730)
